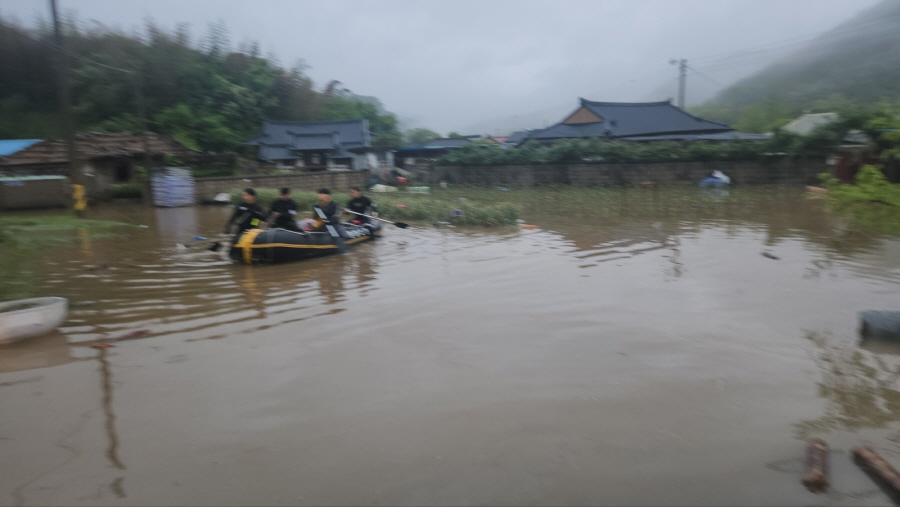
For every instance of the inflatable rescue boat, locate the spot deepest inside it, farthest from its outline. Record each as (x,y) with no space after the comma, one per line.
(281,245)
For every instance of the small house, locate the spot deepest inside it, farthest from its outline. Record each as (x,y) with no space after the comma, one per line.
(104,159)
(316,145)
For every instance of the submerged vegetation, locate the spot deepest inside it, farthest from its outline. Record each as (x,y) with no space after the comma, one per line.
(23,237)
(483,209)
(498,206)
(872,204)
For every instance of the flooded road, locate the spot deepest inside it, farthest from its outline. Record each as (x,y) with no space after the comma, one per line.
(641,360)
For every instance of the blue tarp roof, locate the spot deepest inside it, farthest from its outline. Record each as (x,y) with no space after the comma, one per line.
(10,146)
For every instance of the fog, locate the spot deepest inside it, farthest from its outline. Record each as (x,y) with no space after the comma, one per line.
(477,67)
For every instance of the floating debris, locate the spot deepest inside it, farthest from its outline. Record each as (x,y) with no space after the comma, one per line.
(815,474)
(140,333)
(879,470)
(770,256)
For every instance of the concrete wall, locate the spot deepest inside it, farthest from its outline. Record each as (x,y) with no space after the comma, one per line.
(207,188)
(35,193)
(774,170)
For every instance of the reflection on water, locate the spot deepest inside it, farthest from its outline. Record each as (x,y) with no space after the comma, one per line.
(51,349)
(860,387)
(648,298)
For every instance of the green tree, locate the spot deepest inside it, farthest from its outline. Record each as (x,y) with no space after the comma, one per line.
(383,126)
(420,136)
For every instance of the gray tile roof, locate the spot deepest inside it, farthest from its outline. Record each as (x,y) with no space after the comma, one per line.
(718,136)
(281,140)
(517,137)
(627,119)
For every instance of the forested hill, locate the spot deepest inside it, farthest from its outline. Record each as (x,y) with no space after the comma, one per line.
(201,92)
(854,63)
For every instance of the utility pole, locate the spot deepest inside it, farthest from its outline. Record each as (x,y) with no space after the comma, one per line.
(65,106)
(682,79)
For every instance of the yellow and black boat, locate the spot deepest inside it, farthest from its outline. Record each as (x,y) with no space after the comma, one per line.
(281,245)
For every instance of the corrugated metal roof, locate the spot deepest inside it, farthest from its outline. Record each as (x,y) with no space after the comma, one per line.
(91,145)
(10,146)
(805,124)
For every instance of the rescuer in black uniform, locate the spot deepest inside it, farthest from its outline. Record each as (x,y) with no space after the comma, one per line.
(331,211)
(248,214)
(283,211)
(358,204)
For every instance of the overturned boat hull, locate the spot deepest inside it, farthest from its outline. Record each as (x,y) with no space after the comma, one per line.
(257,246)
(26,318)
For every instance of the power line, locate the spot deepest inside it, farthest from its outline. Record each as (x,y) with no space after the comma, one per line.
(704,76)
(797,41)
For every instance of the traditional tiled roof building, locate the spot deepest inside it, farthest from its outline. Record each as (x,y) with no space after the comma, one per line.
(637,121)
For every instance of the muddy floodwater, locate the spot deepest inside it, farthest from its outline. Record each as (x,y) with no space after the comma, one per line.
(632,360)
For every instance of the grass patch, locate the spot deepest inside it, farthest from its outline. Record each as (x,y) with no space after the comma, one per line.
(482,208)
(498,206)
(55,223)
(22,238)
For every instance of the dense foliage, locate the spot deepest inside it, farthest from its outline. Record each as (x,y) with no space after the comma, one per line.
(199,92)
(870,186)
(600,150)
(871,205)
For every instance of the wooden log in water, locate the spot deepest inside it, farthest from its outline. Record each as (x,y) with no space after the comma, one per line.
(879,470)
(815,473)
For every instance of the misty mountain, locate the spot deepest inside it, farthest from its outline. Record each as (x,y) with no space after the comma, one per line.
(857,62)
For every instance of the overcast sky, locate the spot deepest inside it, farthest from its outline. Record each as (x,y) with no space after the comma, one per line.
(490,66)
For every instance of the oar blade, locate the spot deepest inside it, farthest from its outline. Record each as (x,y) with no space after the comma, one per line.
(401,225)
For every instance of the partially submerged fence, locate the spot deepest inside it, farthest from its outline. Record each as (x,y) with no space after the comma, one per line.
(771,170)
(207,188)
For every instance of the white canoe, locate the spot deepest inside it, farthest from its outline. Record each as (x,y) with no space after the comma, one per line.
(25,318)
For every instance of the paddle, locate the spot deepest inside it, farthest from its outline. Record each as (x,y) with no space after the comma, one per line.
(342,247)
(398,224)
(218,244)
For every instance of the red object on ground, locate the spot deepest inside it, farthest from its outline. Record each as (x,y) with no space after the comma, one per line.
(400,205)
